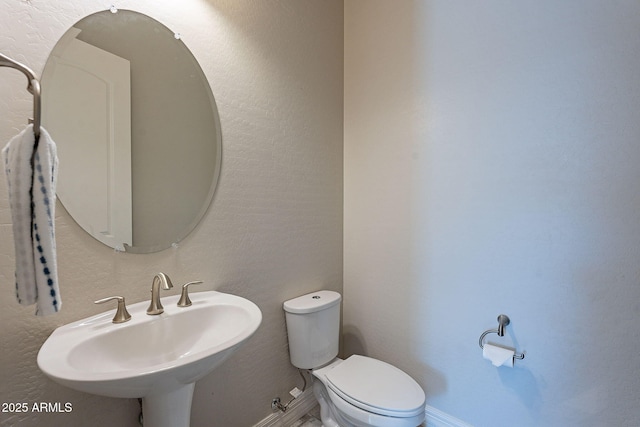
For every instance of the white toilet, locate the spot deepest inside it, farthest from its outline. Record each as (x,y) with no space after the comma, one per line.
(359,391)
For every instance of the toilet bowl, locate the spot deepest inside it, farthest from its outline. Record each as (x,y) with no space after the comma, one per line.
(359,391)
(362,391)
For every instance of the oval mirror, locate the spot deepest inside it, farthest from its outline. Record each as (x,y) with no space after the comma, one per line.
(137,130)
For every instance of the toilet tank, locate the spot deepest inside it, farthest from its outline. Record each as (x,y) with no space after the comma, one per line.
(313,328)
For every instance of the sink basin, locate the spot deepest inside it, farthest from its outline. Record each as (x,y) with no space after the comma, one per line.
(158,358)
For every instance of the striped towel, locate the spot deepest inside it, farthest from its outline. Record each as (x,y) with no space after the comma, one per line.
(32,199)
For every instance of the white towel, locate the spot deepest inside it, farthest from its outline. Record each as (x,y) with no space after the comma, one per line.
(32,198)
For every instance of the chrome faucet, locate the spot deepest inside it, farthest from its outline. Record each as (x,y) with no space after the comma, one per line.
(156,306)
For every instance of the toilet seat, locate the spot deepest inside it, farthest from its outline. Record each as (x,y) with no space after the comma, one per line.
(376,387)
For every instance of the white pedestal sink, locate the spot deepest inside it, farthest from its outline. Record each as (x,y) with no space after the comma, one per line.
(158,358)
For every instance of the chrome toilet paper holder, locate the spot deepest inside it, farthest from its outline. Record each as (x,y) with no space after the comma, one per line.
(503,320)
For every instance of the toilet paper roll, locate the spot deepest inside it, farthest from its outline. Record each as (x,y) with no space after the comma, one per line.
(499,355)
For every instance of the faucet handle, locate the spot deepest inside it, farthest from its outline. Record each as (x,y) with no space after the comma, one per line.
(184,297)
(122,315)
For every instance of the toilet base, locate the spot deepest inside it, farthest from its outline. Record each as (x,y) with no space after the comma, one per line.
(328,415)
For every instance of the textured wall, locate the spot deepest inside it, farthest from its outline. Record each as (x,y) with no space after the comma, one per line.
(492,162)
(274,230)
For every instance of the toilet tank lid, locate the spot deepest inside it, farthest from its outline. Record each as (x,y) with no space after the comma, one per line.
(312,302)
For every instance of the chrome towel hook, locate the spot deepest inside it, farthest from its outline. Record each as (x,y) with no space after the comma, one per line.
(503,320)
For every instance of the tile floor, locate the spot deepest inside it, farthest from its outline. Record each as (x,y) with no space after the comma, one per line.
(312,419)
(307,421)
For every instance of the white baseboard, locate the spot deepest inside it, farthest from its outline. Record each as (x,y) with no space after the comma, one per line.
(298,408)
(437,418)
(303,404)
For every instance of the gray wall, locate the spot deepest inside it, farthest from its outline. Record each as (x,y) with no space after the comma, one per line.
(274,230)
(492,162)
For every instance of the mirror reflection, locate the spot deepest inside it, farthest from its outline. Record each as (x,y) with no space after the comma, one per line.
(137,130)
